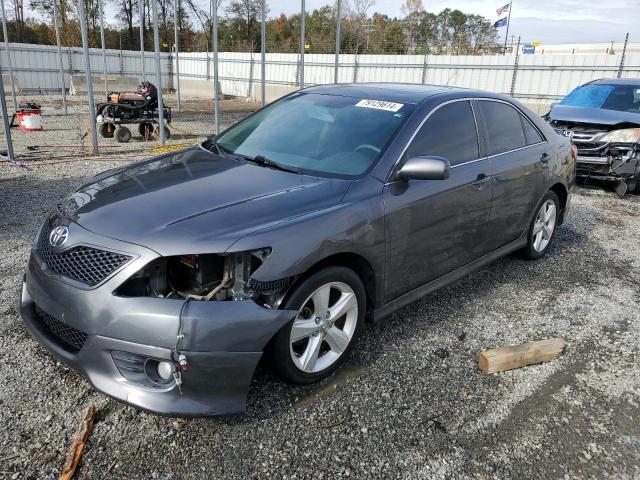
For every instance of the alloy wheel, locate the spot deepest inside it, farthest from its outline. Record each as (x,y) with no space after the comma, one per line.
(544,225)
(324,327)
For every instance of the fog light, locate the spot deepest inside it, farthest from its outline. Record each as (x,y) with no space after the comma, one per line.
(165,370)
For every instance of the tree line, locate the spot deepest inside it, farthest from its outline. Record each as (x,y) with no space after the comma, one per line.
(363,30)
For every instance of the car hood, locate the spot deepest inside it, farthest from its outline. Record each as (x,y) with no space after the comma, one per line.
(599,116)
(195,201)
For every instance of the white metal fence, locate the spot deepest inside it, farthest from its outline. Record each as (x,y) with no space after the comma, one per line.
(529,77)
(36,66)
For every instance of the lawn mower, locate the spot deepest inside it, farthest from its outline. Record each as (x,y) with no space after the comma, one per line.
(127,108)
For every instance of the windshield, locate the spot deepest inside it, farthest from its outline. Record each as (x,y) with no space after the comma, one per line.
(622,98)
(328,135)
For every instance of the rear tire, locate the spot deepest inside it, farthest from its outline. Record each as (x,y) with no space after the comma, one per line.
(167,132)
(332,305)
(542,228)
(106,130)
(123,134)
(146,131)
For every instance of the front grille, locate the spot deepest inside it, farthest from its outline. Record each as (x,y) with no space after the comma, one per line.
(67,337)
(83,264)
(585,135)
(587,140)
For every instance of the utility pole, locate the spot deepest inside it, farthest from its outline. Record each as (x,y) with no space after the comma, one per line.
(302,21)
(263,51)
(59,46)
(141,12)
(87,72)
(216,93)
(624,54)
(104,52)
(337,61)
(156,45)
(176,12)
(5,32)
(6,124)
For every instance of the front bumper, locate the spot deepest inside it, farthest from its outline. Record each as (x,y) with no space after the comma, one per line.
(223,341)
(607,167)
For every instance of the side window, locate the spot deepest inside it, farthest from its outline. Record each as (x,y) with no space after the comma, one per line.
(531,134)
(503,125)
(449,132)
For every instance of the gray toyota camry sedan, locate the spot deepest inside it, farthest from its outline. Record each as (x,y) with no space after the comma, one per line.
(166,281)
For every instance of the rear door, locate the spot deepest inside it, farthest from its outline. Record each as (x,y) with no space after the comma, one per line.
(434,226)
(519,158)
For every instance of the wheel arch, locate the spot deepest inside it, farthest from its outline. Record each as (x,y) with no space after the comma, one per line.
(359,264)
(563,195)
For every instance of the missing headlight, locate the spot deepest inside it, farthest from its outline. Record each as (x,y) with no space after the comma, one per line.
(198,277)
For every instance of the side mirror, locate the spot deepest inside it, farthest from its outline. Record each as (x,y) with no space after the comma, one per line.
(424,168)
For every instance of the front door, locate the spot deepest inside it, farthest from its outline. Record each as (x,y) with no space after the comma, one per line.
(435,226)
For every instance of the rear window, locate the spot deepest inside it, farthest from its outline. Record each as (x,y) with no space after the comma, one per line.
(531,134)
(622,98)
(503,125)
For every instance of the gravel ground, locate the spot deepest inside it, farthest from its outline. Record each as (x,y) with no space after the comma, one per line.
(410,403)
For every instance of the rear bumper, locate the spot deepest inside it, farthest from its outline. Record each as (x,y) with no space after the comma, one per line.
(223,342)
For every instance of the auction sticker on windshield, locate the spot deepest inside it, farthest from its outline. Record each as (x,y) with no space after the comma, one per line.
(380,105)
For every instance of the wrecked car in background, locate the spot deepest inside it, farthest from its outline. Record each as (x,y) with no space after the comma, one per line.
(165,281)
(602,118)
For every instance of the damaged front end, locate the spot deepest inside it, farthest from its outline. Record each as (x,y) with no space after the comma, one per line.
(606,153)
(206,277)
(175,335)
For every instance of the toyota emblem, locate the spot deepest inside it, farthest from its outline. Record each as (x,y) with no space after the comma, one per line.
(58,236)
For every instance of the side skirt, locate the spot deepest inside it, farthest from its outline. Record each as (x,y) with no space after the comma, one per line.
(417,293)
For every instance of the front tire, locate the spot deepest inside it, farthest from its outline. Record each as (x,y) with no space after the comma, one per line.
(543,226)
(331,305)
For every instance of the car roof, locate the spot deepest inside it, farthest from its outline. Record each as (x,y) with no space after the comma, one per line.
(395,92)
(615,81)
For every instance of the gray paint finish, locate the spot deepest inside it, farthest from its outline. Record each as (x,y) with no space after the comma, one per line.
(415,235)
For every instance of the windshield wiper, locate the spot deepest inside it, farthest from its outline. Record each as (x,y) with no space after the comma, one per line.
(262,160)
(212,145)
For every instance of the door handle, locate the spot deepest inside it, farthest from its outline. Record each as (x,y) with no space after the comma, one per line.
(481,181)
(481,178)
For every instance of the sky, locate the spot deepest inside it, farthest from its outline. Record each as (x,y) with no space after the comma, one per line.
(545,21)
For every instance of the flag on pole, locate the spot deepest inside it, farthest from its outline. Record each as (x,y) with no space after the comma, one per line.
(501,23)
(503,9)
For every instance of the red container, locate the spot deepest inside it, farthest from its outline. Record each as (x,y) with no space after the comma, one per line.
(29,119)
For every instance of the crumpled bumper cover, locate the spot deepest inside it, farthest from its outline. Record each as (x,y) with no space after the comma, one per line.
(223,342)
(607,167)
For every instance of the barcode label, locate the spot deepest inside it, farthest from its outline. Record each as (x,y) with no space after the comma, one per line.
(380,105)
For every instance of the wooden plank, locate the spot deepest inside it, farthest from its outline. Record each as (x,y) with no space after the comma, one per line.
(516,356)
(74,453)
